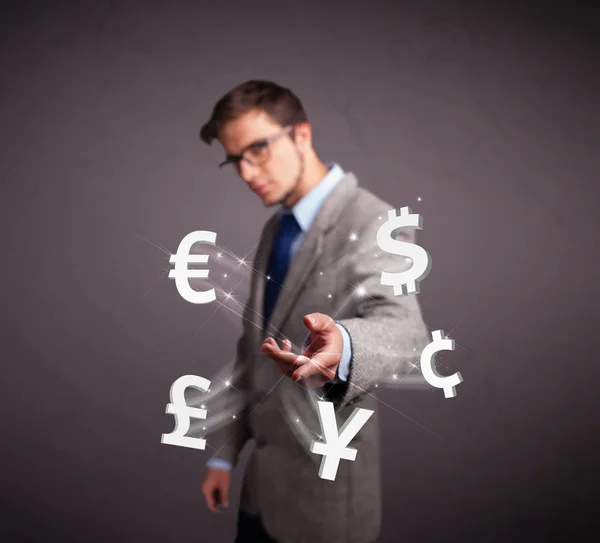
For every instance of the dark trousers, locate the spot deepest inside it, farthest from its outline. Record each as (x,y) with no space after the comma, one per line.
(251,530)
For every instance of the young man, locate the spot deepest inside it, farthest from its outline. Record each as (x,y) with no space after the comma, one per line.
(315,284)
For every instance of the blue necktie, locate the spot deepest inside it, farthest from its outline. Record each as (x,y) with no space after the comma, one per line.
(279,262)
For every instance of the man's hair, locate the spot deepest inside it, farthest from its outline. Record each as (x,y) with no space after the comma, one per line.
(280,103)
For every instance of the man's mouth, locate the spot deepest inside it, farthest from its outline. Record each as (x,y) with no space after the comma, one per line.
(261,190)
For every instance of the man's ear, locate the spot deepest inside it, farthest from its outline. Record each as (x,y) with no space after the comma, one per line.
(303,135)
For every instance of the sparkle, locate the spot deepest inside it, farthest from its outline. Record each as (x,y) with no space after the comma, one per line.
(419,198)
(234,416)
(241,261)
(202,406)
(297,420)
(227,383)
(361,291)
(375,254)
(395,376)
(353,236)
(219,255)
(228,295)
(379,217)
(224,275)
(329,295)
(268,277)
(320,273)
(204,427)
(376,385)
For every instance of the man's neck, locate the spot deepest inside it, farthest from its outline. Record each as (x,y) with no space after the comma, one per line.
(312,177)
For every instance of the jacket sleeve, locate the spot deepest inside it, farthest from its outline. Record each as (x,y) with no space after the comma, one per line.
(388,333)
(230,440)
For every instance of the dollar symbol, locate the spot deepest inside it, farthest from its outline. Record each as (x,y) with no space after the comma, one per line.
(183,412)
(182,273)
(440,343)
(406,282)
(335,447)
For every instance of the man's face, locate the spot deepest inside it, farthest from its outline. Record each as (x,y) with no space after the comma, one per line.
(275,180)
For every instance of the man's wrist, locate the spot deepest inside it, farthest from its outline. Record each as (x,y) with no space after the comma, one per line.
(219,463)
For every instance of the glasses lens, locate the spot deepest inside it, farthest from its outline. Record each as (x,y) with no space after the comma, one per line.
(257,154)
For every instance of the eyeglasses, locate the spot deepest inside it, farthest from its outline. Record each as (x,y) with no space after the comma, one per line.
(257,153)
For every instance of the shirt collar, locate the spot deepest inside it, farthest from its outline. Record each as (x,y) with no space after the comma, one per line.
(306,209)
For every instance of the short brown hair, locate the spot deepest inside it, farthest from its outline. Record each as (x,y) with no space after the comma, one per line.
(280,103)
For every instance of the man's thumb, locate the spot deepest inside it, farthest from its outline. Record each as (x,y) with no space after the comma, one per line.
(316,322)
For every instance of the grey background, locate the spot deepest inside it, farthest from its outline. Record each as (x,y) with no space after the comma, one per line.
(486,111)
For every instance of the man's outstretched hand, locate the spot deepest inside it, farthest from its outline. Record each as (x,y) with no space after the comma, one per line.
(319,361)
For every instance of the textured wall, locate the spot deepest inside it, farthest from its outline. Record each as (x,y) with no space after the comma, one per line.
(488,113)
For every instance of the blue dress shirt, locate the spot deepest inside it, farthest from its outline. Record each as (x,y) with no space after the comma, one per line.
(305,211)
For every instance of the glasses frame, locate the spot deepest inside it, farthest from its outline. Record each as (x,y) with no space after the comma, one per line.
(262,143)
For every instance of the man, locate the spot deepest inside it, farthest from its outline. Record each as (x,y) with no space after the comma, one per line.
(315,284)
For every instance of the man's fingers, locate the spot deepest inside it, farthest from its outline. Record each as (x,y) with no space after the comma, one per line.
(285,368)
(287,362)
(224,495)
(269,345)
(216,489)
(210,498)
(317,365)
(286,344)
(286,357)
(299,367)
(272,342)
(304,371)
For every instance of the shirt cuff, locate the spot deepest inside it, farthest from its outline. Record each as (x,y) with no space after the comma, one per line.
(219,463)
(344,367)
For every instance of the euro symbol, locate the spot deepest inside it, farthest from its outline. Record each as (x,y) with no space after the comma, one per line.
(182,273)
(183,412)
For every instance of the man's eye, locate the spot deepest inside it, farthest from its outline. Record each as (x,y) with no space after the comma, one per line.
(257,149)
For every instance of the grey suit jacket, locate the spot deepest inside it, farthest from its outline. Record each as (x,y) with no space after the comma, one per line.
(387,332)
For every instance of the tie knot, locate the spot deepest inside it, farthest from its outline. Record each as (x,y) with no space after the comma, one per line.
(288,225)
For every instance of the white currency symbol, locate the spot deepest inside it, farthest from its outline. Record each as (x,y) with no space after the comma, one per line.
(183,412)
(440,343)
(334,449)
(406,282)
(182,273)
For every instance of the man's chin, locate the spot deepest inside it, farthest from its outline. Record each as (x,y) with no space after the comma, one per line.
(269,202)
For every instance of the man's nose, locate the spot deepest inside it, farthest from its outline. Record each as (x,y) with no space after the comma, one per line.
(247,171)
